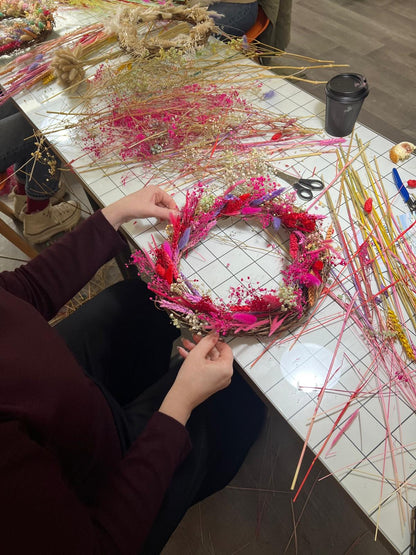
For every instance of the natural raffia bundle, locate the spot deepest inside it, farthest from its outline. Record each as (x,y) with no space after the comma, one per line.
(67,65)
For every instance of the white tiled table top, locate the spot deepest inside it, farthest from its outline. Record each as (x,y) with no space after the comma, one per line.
(283,373)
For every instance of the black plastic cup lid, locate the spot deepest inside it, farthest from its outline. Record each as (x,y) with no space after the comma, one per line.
(347,86)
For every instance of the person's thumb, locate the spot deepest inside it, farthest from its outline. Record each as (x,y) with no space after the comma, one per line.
(207,343)
(163,213)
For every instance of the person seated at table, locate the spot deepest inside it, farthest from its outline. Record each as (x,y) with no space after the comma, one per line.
(235,17)
(277,33)
(104,442)
(39,187)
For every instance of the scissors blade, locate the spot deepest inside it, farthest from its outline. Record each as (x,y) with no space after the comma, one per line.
(288,178)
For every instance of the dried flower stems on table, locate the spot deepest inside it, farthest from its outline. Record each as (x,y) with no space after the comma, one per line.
(187,119)
(35,68)
(376,288)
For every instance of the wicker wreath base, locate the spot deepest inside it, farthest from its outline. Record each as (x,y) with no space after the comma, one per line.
(128,19)
(249,310)
(23,24)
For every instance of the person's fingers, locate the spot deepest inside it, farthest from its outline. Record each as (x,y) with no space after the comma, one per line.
(183,352)
(222,347)
(187,344)
(206,344)
(224,350)
(214,354)
(161,212)
(163,199)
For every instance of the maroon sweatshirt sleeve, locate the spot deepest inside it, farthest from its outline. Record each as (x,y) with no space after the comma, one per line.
(155,455)
(51,414)
(60,271)
(41,514)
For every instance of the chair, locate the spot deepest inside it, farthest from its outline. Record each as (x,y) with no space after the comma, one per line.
(260,25)
(12,236)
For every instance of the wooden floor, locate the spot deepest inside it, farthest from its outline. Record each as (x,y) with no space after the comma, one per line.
(376,38)
(254,515)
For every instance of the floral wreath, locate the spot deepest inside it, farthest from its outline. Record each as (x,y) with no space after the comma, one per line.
(249,310)
(22,24)
(128,18)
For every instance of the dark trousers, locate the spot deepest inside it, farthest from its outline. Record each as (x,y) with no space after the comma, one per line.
(234,18)
(17,145)
(124,343)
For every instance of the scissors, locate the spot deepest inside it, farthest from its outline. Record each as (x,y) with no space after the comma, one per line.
(304,187)
(404,193)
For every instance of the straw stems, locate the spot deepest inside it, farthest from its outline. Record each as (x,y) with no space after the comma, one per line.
(318,402)
(376,253)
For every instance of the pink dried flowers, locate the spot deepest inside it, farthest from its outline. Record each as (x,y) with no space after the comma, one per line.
(249,309)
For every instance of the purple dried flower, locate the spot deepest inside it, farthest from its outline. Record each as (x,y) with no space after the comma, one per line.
(268,94)
(191,288)
(183,241)
(268,196)
(276,222)
(275,193)
(258,201)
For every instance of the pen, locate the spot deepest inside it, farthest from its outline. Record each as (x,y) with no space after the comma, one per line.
(403,191)
(413,532)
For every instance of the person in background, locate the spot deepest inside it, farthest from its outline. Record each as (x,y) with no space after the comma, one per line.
(277,33)
(105,443)
(39,187)
(235,17)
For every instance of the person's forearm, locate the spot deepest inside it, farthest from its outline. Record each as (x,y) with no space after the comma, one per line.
(60,271)
(125,506)
(176,407)
(145,475)
(114,215)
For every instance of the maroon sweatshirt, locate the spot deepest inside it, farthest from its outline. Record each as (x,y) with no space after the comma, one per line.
(58,442)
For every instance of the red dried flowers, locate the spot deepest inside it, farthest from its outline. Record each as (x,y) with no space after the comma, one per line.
(249,309)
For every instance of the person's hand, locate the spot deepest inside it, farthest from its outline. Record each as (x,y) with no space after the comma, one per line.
(149,202)
(207,368)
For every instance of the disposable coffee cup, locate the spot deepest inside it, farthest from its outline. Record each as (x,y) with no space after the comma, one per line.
(345,94)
